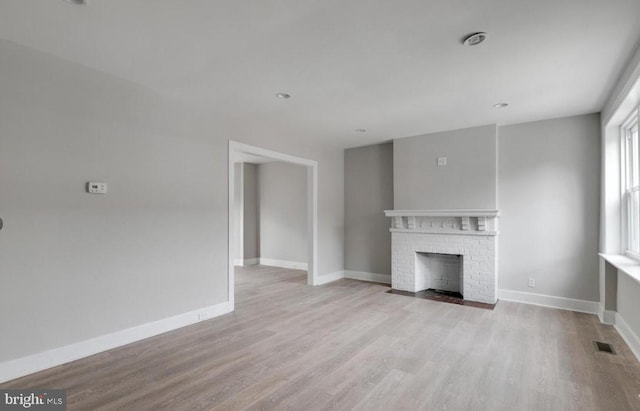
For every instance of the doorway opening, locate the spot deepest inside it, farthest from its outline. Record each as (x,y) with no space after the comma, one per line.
(238,152)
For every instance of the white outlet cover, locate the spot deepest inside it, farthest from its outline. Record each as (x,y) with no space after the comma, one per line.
(96,187)
(442,161)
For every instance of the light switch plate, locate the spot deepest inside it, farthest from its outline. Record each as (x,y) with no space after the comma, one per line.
(96,187)
(442,161)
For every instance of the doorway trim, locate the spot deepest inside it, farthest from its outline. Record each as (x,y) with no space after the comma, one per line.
(312,209)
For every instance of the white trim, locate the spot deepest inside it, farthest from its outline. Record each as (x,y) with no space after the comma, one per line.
(251,261)
(582,306)
(606,316)
(283,263)
(12,369)
(365,276)
(628,265)
(628,335)
(623,90)
(246,262)
(312,209)
(328,278)
(231,228)
(447,232)
(442,213)
(240,230)
(312,223)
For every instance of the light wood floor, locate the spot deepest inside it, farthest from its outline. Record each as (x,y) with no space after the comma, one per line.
(349,345)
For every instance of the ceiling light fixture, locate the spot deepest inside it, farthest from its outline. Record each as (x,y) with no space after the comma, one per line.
(361,130)
(474,39)
(283,95)
(500,105)
(77,2)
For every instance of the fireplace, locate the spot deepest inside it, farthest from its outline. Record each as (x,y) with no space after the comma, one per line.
(425,241)
(440,272)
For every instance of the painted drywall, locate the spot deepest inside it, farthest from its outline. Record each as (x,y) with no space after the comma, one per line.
(549,198)
(282,194)
(238,212)
(628,303)
(467,181)
(75,266)
(251,225)
(368,191)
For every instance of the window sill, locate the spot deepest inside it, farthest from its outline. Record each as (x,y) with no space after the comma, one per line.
(627,265)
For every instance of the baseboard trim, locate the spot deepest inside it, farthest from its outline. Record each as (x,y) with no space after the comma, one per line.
(582,306)
(20,367)
(628,335)
(283,263)
(330,277)
(246,262)
(365,276)
(606,316)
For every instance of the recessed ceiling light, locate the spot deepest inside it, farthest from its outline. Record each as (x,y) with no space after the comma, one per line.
(77,2)
(500,105)
(283,95)
(361,130)
(474,39)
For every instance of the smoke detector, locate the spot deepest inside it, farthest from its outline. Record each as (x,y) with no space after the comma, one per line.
(474,39)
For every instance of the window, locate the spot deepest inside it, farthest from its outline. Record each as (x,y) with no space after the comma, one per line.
(631,176)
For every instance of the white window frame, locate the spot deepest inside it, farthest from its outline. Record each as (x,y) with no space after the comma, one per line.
(630,163)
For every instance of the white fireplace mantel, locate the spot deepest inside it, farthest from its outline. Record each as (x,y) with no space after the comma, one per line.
(442,213)
(470,234)
(467,222)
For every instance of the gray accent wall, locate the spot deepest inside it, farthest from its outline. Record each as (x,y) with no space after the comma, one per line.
(282,193)
(550,203)
(77,266)
(368,192)
(251,222)
(467,181)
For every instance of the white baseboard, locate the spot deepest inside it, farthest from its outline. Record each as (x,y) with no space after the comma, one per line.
(283,263)
(606,316)
(583,306)
(330,277)
(12,369)
(365,276)
(248,261)
(628,335)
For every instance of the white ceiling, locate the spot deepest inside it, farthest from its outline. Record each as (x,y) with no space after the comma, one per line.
(396,68)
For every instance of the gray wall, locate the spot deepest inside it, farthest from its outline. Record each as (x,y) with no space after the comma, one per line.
(76,266)
(549,198)
(251,223)
(282,203)
(467,181)
(368,173)
(628,302)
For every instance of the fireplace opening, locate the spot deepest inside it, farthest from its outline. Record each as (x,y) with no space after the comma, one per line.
(441,274)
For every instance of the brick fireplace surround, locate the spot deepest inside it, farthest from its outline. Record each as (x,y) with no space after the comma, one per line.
(471,234)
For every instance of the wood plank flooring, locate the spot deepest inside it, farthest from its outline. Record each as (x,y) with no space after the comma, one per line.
(350,345)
